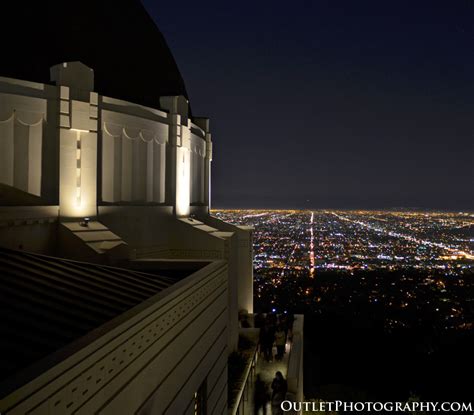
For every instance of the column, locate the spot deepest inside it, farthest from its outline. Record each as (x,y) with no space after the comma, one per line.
(78,107)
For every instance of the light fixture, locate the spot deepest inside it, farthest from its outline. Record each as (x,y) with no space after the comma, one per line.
(85,222)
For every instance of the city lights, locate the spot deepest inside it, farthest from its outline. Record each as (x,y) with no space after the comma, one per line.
(414,263)
(320,240)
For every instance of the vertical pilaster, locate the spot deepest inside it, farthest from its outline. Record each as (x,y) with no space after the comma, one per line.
(178,174)
(207,171)
(174,138)
(204,124)
(78,114)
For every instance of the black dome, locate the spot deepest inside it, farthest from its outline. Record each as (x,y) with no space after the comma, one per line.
(116,38)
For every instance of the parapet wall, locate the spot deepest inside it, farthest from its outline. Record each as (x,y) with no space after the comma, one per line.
(152,359)
(67,145)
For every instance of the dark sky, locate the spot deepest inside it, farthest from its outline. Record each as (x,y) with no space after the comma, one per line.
(328,103)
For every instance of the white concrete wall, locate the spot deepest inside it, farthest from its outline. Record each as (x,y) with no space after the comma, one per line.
(198,154)
(195,239)
(188,152)
(133,158)
(244,261)
(29,228)
(78,115)
(183,181)
(150,157)
(133,224)
(295,362)
(177,239)
(150,362)
(22,121)
(137,155)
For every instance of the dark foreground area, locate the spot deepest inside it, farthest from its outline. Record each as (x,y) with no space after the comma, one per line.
(382,335)
(347,361)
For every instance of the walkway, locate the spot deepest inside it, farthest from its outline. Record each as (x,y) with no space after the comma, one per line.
(266,370)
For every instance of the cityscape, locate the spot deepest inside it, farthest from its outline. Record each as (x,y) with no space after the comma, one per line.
(402,278)
(124,292)
(414,259)
(311,241)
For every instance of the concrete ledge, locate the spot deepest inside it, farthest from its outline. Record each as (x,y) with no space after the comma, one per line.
(28,212)
(295,360)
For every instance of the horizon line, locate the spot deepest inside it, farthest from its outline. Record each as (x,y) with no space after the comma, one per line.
(392,209)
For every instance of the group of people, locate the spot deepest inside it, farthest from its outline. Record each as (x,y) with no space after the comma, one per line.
(279,388)
(274,330)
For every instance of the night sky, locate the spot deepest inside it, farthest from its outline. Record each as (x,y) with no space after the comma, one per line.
(331,104)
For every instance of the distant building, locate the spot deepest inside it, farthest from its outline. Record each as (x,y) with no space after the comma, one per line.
(120,293)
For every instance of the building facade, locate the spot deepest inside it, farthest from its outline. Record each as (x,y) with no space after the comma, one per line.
(122,292)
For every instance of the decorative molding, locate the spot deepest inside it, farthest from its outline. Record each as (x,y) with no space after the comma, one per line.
(118,131)
(112,362)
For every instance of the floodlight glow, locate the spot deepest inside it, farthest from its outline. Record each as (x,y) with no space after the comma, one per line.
(183,181)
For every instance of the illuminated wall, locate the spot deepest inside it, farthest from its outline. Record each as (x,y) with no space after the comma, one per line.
(77,173)
(100,150)
(78,114)
(198,154)
(80,153)
(183,181)
(21,138)
(133,158)
(190,153)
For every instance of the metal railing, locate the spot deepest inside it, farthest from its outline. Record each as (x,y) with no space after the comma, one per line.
(243,396)
(243,404)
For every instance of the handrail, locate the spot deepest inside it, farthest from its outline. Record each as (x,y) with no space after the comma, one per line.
(250,367)
(238,408)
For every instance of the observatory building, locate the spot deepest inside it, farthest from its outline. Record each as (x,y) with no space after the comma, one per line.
(120,293)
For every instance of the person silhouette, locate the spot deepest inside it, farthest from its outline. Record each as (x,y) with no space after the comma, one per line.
(260,396)
(279,388)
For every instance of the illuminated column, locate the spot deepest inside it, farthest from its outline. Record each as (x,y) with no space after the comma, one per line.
(207,171)
(178,166)
(183,175)
(78,113)
(245,266)
(204,124)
